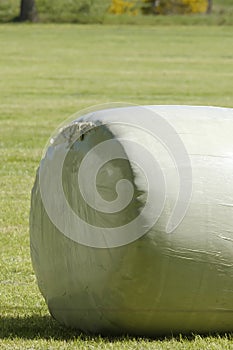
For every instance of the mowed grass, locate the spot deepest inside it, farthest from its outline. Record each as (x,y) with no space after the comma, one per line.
(47,73)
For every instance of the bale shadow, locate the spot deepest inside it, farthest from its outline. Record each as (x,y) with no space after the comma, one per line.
(34,327)
(45,327)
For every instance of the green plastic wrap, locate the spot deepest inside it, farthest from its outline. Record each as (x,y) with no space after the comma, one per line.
(148,255)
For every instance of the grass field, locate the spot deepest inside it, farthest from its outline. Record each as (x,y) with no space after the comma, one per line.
(48,72)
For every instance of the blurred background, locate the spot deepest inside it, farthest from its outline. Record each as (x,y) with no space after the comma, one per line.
(131,11)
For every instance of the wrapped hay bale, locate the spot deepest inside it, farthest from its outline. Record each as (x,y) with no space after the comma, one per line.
(131,222)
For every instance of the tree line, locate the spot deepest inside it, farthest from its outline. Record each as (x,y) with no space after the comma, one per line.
(28,10)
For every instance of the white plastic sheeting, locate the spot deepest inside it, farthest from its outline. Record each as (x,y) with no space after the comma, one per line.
(131,222)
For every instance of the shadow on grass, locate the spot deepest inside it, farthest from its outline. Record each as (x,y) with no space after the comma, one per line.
(45,327)
(33,327)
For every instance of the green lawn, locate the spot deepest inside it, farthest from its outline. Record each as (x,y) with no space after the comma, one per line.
(48,72)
